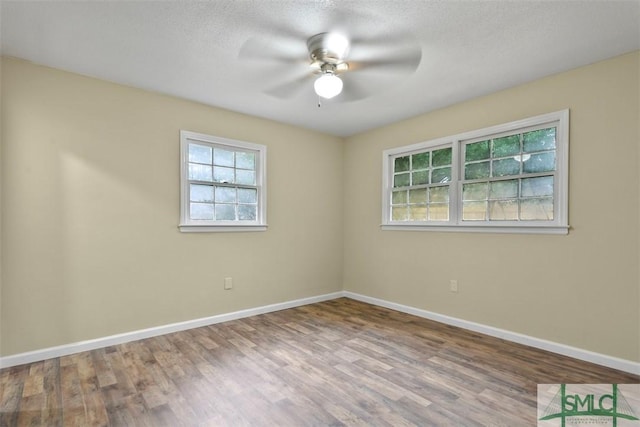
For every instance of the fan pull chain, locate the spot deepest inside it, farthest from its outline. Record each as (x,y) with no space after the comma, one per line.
(319,102)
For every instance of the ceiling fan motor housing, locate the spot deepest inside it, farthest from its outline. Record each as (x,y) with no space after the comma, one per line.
(327,52)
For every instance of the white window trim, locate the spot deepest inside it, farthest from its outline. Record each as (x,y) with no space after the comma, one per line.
(560,223)
(187,225)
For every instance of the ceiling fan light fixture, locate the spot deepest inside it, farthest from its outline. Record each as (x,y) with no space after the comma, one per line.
(328,85)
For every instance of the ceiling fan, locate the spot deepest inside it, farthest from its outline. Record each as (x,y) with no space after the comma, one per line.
(340,68)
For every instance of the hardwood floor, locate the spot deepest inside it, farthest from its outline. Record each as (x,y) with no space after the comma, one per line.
(336,363)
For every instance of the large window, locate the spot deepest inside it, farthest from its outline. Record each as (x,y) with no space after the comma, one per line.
(507,178)
(222,184)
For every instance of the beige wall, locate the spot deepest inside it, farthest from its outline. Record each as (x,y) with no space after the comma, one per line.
(90,243)
(582,289)
(1,211)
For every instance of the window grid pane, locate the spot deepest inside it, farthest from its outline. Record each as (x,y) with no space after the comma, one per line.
(528,160)
(235,197)
(420,186)
(199,154)
(228,203)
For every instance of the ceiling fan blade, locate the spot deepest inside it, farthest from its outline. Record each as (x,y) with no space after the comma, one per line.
(291,88)
(372,77)
(399,59)
(273,49)
(353,89)
(393,40)
(398,51)
(401,64)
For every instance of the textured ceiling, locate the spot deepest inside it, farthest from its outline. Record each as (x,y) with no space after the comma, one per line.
(194,49)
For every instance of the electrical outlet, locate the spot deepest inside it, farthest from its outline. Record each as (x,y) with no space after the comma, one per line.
(453,285)
(228,283)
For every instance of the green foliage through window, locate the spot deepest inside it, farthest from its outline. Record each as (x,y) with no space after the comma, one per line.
(486,193)
(420,180)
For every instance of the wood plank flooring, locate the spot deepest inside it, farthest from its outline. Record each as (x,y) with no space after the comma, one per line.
(336,363)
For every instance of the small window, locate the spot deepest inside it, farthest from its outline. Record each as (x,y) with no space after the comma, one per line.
(421,186)
(507,178)
(222,184)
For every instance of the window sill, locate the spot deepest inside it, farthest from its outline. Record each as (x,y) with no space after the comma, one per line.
(563,230)
(184,228)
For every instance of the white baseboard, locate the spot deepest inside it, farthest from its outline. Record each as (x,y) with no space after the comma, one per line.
(67,349)
(577,353)
(565,350)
